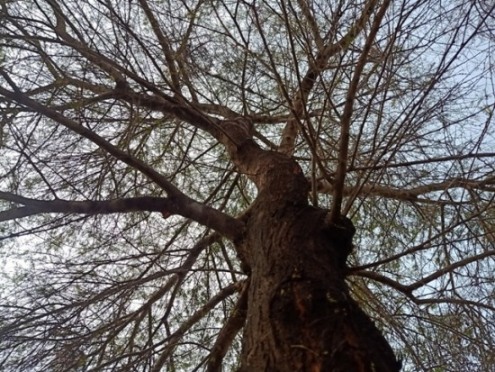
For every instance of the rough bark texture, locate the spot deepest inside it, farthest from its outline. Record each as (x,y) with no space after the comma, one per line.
(300,315)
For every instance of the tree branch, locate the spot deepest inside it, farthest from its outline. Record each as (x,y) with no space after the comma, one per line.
(174,338)
(384,280)
(186,207)
(407,290)
(158,101)
(291,129)
(231,328)
(347,115)
(413,193)
(447,269)
(425,161)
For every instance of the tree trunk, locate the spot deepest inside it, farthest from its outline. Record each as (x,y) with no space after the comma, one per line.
(300,315)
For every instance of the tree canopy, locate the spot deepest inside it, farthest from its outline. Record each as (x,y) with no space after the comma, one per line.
(136,135)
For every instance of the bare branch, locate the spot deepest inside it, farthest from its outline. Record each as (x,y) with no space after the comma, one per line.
(384,280)
(200,313)
(224,224)
(448,269)
(341,170)
(231,328)
(298,103)
(413,193)
(407,291)
(441,159)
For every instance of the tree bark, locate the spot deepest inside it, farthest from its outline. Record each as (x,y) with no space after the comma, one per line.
(300,315)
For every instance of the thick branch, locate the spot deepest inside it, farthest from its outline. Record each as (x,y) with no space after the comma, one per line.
(186,207)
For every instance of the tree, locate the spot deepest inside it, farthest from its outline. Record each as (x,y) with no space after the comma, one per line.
(259,185)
